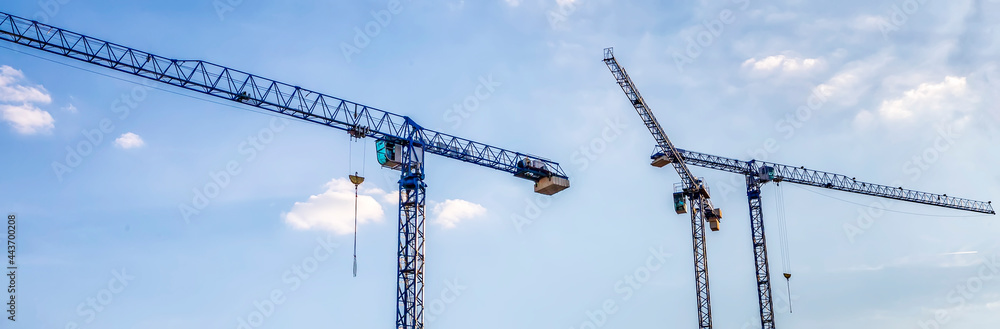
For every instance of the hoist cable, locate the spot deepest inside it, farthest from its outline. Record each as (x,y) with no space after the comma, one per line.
(786,266)
(355,230)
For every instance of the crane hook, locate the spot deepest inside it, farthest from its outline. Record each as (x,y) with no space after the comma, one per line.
(788,284)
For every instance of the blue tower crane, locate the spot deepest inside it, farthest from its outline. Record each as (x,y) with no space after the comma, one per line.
(402,142)
(693,189)
(758,173)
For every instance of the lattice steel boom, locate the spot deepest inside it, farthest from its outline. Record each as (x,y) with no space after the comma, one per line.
(264,93)
(804,176)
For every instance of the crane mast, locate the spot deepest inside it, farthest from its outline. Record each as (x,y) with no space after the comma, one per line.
(402,141)
(694,189)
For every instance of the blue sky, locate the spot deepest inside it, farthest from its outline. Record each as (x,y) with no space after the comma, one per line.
(893,92)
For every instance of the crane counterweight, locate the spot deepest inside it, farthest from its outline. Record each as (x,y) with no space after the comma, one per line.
(661,161)
(550,185)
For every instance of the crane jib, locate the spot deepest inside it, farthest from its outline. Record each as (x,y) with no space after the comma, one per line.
(804,176)
(249,89)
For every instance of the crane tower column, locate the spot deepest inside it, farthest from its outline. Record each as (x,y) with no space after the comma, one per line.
(760,252)
(700,259)
(410,277)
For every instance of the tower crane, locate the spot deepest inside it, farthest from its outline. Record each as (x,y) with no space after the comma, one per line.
(693,191)
(401,142)
(758,173)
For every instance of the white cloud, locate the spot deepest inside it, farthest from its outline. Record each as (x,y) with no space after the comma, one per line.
(927,99)
(848,86)
(391,197)
(70,108)
(456,6)
(782,63)
(962,259)
(864,119)
(869,22)
(779,17)
(333,210)
(450,212)
(838,83)
(129,140)
(27,119)
(12,92)
(566,3)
